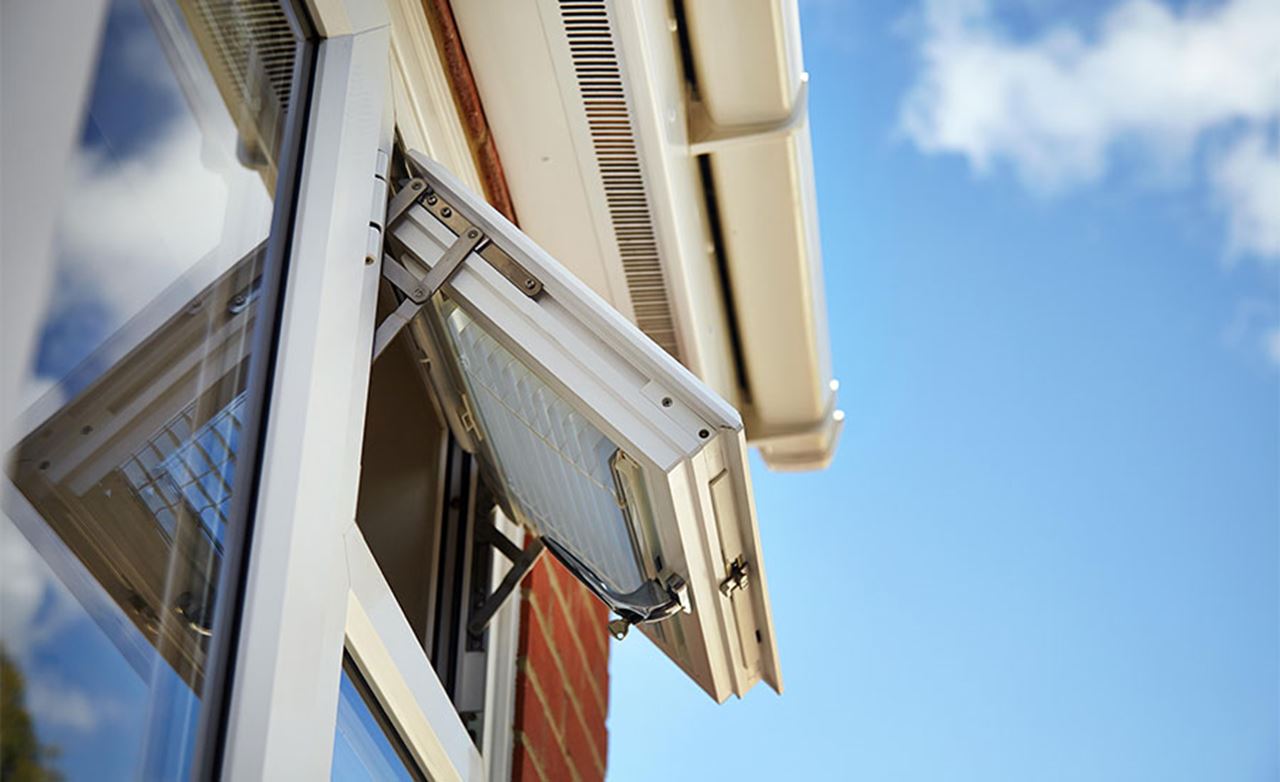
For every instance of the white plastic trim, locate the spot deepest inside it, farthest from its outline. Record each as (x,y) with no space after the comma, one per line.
(337,18)
(284,701)
(388,653)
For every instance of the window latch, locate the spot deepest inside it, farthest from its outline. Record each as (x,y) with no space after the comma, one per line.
(737,577)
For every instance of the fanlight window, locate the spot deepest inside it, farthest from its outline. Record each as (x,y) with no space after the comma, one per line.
(622,463)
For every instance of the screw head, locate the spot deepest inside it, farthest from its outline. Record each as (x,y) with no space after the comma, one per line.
(530,284)
(703,433)
(416,185)
(473,233)
(446,212)
(431,199)
(666,401)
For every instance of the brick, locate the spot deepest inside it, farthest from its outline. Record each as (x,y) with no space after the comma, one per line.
(540,664)
(563,679)
(549,760)
(580,746)
(523,768)
(539,580)
(592,622)
(593,712)
(556,766)
(602,741)
(570,647)
(602,736)
(584,683)
(534,722)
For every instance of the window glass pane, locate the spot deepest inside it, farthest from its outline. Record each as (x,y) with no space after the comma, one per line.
(557,467)
(125,458)
(365,746)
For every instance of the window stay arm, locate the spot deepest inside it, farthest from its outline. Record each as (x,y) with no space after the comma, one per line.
(418,290)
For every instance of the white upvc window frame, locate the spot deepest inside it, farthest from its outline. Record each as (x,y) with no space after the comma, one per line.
(687,441)
(313,589)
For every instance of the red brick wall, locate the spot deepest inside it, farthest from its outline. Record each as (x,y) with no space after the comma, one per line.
(562,680)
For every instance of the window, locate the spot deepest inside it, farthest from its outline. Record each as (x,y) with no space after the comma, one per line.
(367,746)
(124,491)
(425,515)
(627,467)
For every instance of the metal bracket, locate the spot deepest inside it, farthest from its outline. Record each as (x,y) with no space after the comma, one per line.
(418,290)
(705,137)
(522,561)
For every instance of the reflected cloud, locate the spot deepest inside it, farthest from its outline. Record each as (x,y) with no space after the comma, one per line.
(34,605)
(132,227)
(56,704)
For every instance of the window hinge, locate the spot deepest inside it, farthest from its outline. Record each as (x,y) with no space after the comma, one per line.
(508,267)
(377,211)
(418,290)
(737,576)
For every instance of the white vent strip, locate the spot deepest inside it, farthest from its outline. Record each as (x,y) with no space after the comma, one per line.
(589,31)
(255,50)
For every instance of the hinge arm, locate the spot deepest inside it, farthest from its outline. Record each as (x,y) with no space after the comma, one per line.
(522,561)
(418,290)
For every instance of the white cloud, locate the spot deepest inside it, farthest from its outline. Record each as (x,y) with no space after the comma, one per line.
(1247,178)
(1056,106)
(1273,346)
(34,605)
(56,703)
(133,226)
(36,610)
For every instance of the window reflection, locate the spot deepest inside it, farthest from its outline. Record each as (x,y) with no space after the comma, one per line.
(119,489)
(366,746)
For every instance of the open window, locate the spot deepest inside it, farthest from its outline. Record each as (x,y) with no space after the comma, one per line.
(625,466)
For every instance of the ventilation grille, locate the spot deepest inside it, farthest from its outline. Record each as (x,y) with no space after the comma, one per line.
(251,49)
(188,468)
(604,98)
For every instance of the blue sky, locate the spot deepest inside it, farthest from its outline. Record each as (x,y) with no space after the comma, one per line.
(1048,546)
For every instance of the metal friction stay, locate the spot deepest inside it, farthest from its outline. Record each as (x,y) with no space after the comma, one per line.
(417,291)
(522,561)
